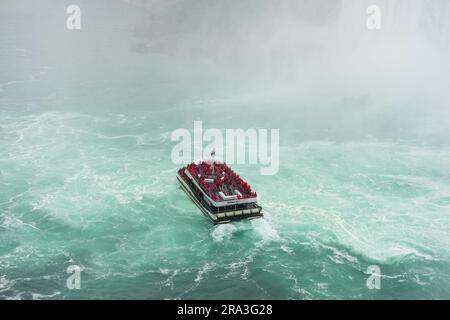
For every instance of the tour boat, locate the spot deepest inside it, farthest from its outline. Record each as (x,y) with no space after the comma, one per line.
(219,193)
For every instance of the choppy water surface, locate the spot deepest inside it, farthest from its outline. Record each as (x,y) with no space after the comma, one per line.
(101,193)
(86,178)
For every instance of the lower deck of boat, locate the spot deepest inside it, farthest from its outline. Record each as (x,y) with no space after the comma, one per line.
(222,216)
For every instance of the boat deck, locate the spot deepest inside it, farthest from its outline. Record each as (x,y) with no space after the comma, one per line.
(219,215)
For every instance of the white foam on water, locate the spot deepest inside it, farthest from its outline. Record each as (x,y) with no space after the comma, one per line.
(242,265)
(5,283)
(340,256)
(223,232)
(39,296)
(9,221)
(287,249)
(203,271)
(265,230)
(383,206)
(43,146)
(164,271)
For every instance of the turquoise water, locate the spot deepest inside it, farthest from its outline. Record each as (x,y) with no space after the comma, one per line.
(86,178)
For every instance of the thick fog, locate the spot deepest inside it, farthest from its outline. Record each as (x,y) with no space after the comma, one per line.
(309,63)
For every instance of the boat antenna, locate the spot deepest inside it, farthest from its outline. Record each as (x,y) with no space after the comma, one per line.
(213,153)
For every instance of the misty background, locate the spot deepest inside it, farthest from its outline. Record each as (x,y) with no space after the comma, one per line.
(307,65)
